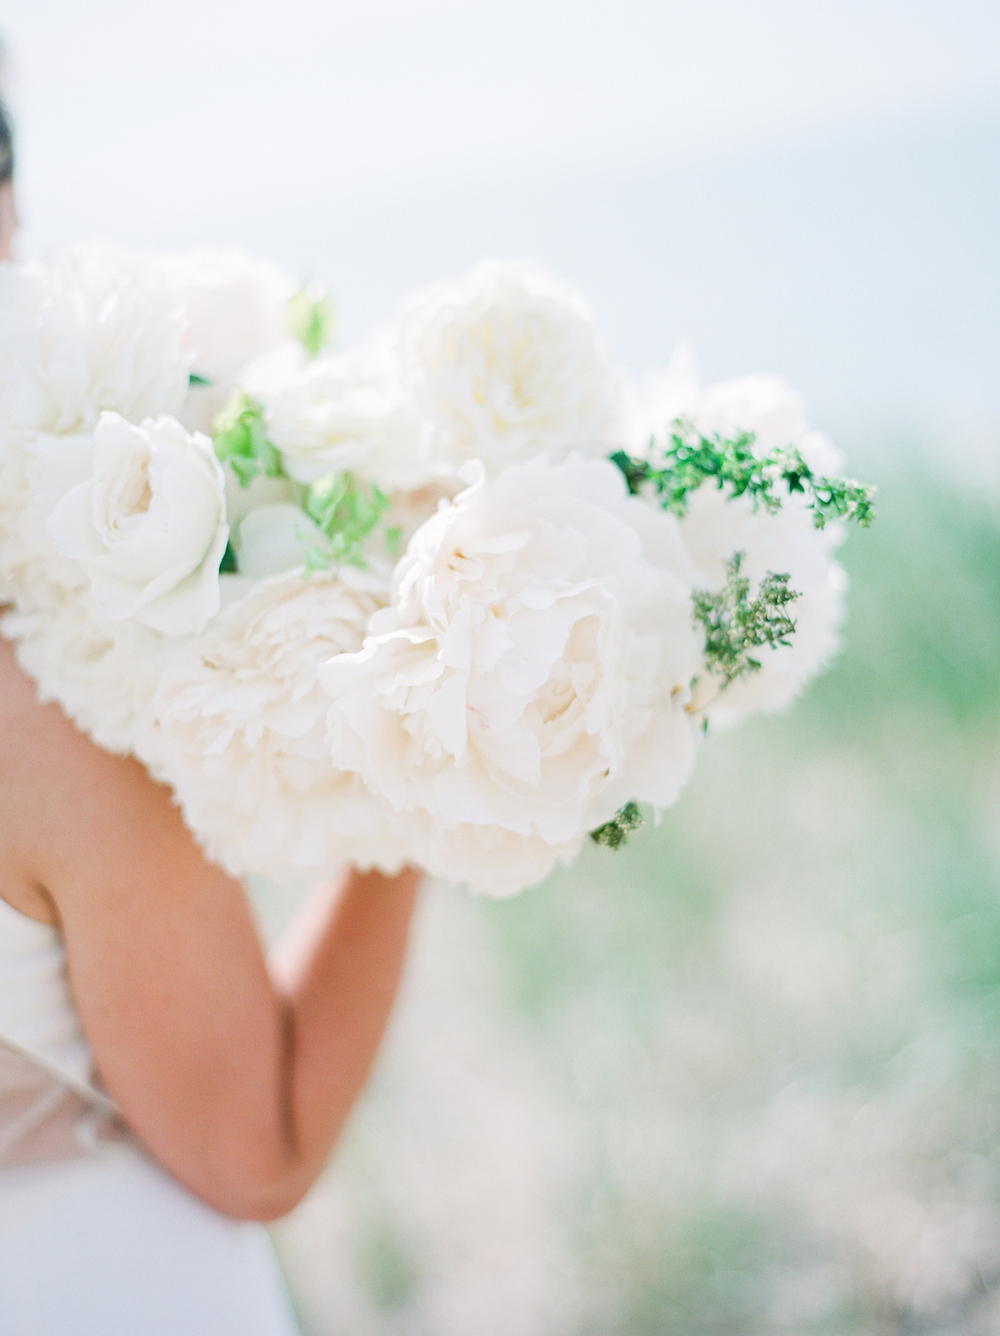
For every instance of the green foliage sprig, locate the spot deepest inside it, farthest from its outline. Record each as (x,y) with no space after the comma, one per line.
(311,318)
(343,508)
(735,624)
(240,438)
(229,565)
(346,511)
(614,833)
(691,459)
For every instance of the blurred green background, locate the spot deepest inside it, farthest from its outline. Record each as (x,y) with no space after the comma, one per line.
(743,1076)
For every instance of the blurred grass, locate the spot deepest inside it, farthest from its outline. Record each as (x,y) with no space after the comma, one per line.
(913,701)
(748,1069)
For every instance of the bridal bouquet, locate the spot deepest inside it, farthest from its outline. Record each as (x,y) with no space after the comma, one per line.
(459,596)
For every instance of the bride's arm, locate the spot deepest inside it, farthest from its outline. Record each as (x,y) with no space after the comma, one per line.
(237,1078)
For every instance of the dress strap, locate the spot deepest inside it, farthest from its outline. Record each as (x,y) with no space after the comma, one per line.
(47,1115)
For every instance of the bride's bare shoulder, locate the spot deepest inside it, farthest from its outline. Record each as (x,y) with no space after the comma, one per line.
(19,705)
(34,738)
(16,690)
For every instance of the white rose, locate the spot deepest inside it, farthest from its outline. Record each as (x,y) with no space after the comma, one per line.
(235,308)
(508,365)
(149,527)
(718,525)
(341,412)
(99,671)
(237,728)
(530,676)
(95,329)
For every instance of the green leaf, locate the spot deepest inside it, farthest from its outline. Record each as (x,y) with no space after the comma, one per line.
(346,510)
(691,459)
(614,833)
(317,559)
(195,379)
(228,566)
(636,471)
(734,623)
(311,318)
(239,437)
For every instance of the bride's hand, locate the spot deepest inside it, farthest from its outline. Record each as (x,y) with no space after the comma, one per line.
(236,1078)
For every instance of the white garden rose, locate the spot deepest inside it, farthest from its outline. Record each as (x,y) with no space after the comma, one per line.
(99,672)
(507,365)
(149,527)
(97,328)
(530,676)
(236,726)
(235,309)
(341,412)
(718,525)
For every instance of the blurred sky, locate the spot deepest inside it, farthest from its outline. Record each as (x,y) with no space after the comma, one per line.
(808,188)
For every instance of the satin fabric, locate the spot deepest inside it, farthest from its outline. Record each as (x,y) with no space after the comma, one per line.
(95,1238)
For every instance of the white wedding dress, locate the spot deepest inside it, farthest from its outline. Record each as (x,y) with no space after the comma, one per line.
(95,1238)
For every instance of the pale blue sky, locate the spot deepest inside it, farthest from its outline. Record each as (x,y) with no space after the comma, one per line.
(810,188)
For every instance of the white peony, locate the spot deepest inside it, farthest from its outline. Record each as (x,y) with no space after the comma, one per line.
(100,673)
(765,405)
(531,675)
(149,527)
(236,726)
(409,510)
(95,329)
(35,475)
(714,528)
(717,525)
(235,308)
(507,365)
(11,504)
(341,412)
